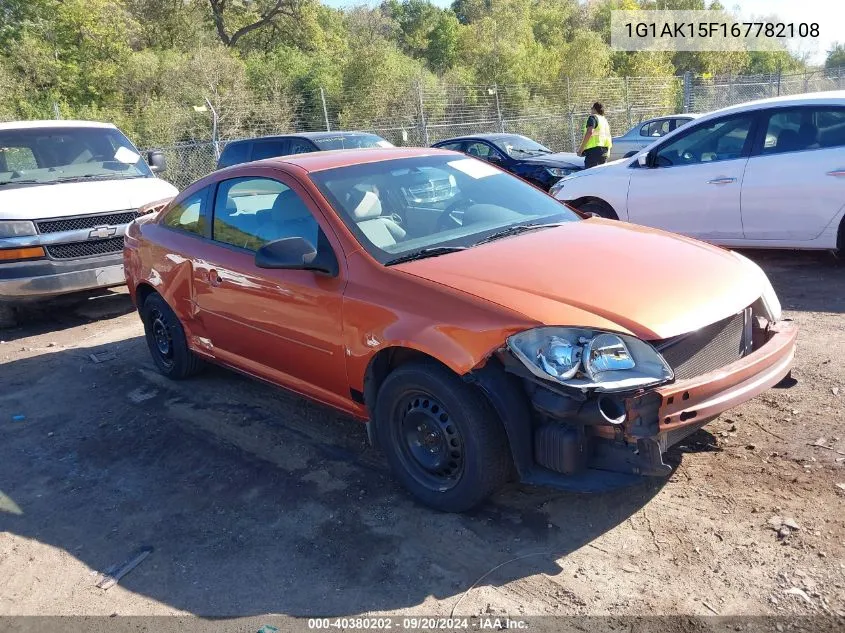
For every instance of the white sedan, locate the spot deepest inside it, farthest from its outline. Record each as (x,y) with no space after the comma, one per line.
(765,174)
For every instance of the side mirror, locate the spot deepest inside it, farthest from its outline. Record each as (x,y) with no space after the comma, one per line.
(297,253)
(647,159)
(157,161)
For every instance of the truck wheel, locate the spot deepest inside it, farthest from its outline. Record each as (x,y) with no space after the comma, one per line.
(166,340)
(8,318)
(599,207)
(442,439)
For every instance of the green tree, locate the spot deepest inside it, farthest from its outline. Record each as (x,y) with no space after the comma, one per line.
(835,56)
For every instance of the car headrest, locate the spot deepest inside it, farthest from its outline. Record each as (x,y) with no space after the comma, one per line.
(808,134)
(788,140)
(365,205)
(289,206)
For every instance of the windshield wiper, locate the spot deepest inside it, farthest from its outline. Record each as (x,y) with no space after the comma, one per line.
(98,177)
(516,229)
(433,251)
(26,181)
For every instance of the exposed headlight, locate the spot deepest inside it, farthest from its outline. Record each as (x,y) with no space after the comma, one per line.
(559,172)
(769,297)
(590,359)
(16,228)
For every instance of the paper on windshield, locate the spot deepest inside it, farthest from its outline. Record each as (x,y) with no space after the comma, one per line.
(474,168)
(126,156)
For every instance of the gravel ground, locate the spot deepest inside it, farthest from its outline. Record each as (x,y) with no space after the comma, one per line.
(255,501)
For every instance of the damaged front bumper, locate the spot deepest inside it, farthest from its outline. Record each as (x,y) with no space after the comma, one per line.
(594,442)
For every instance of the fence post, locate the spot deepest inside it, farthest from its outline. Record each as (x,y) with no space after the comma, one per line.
(806,82)
(214,139)
(498,109)
(325,111)
(687,91)
(779,74)
(423,125)
(56,112)
(571,116)
(627,104)
(730,88)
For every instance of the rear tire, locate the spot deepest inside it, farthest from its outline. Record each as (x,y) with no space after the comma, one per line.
(166,340)
(442,439)
(600,208)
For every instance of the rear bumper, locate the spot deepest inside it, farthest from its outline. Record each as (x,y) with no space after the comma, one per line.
(23,281)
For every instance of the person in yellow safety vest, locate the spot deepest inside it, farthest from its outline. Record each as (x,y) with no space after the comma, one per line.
(596,143)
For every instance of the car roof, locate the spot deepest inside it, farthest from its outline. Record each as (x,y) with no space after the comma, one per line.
(831,97)
(319,161)
(52,123)
(307,135)
(493,136)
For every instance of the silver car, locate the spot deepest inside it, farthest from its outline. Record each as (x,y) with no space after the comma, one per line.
(645,133)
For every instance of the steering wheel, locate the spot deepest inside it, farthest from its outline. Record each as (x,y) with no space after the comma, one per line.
(453,215)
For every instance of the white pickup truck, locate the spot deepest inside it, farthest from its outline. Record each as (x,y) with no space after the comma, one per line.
(68,189)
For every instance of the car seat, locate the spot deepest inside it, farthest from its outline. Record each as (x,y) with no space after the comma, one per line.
(366,210)
(288,217)
(788,141)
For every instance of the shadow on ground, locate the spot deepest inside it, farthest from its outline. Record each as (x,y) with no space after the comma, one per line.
(61,313)
(253,500)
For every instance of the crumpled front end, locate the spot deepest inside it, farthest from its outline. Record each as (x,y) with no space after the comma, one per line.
(591,440)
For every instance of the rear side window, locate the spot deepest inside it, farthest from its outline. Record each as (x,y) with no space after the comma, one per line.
(269,149)
(300,146)
(656,129)
(803,129)
(455,147)
(234,154)
(190,215)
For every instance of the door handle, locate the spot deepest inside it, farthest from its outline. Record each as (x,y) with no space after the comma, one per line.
(839,173)
(721,181)
(213,278)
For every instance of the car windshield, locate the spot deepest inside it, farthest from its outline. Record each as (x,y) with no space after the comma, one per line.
(351,141)
(46,155)
(431,204)
(517,146)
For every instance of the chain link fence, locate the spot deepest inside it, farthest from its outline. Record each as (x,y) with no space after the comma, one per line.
(419,114)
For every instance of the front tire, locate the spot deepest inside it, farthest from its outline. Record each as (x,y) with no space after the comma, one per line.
(166,340)
(600,208)
(442,439)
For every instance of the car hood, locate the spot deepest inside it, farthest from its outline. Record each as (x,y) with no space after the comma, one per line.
(603,274)
(561,159)
(33,202)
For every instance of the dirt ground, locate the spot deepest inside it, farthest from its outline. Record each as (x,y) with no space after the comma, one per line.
(255,501)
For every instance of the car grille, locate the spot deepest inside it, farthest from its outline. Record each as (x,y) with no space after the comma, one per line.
(707,349)
(86,249)
(86,222)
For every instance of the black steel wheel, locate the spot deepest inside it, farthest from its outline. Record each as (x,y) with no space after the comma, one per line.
(442,439)
(166,339)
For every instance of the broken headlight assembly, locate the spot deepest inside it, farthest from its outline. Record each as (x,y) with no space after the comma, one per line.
(590,359)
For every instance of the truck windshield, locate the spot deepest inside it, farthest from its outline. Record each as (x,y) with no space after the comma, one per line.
(46,155)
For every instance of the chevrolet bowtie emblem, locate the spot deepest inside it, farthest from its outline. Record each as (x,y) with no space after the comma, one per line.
(101,232)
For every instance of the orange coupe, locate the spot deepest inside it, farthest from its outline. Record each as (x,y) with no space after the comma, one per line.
(483,330)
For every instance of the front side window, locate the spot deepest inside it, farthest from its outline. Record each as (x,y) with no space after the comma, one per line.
(709,142)
(190,215)
(251,212)
(68,154)
(483,151)
(656,129)
(403,206)
(802,129)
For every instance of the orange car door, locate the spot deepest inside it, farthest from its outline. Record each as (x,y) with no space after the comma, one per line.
(282,325)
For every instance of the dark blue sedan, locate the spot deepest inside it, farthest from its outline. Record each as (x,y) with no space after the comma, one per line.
(519,155)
